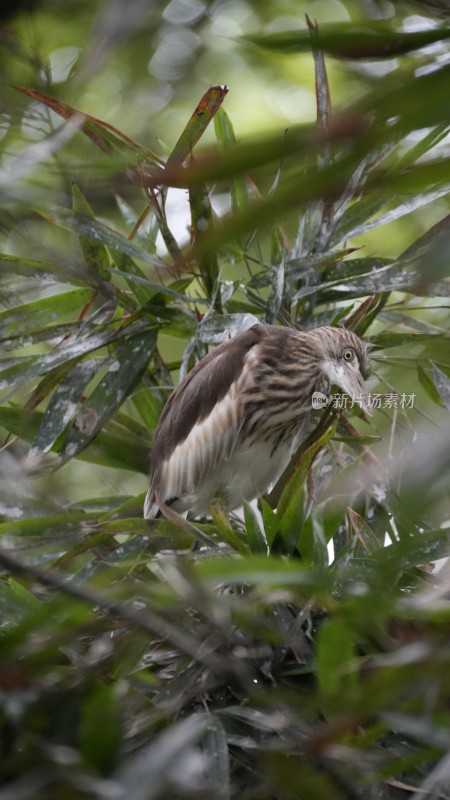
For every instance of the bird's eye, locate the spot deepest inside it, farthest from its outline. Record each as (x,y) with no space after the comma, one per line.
(348,354)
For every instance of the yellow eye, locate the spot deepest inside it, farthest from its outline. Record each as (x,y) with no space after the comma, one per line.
(348,354)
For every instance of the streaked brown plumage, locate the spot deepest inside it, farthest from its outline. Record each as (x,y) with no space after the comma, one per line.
(231,426)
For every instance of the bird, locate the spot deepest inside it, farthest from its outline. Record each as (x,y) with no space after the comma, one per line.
(229,429)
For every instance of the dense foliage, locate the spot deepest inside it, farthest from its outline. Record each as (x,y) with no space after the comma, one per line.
(298,652)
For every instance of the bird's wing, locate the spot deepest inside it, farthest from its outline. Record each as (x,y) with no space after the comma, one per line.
(200,423)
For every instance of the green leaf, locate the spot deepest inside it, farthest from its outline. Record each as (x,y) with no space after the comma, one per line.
(62,406)
(258,570)
(442,383)
(95,230)
(291,507)
(226,532)
(224,131)
(255,536)
(16,265)
(428,385)
(271,522)
(335,658)
(100,706)
(417,549)
(94,252)
(202,220)
(108,449)
(46,311)
(124,368)
(350,40)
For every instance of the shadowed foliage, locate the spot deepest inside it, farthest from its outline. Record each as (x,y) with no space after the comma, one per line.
(297,650)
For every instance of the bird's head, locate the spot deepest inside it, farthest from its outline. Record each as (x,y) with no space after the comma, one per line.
(345,363)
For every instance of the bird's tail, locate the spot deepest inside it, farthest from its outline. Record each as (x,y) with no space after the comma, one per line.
(151,508)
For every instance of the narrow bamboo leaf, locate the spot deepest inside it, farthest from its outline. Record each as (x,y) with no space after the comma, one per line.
(336,655)
(347,229)
(226,532)
(442,382)
(217,329)
(312,544)
(394,278)
(111,450)
(277,290)
(158,208)
(64,524)
(127,266)
(143,228)
(62,407)
(428,385)
(127,424)
(422,548)
(292,504)
(302,468)
(348,40)
(94,252)
(216,751)
(101,752)
(108,450)
(17,265)
(201,221)
(159,288)
(72,349)
(94,229)
(125,367)
(18,370)
(199,121)
(259,570)
(397,338)
(45,311)
(363,532)
(16,602)
(430,140)
(149,406)
(255,536)
(292,517)
(22,594)
(104,135)
(271,522)
(226,137)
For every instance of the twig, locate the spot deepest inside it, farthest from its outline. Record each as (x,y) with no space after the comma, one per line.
(145,619)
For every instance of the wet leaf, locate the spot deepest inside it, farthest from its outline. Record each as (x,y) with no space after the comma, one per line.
(62,406)
(109,449)
(29,316)
(124,368)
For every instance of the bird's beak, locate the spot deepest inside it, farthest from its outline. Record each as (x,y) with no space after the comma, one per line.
(352,384)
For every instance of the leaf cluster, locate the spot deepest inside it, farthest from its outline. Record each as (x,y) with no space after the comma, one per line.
(294,651)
